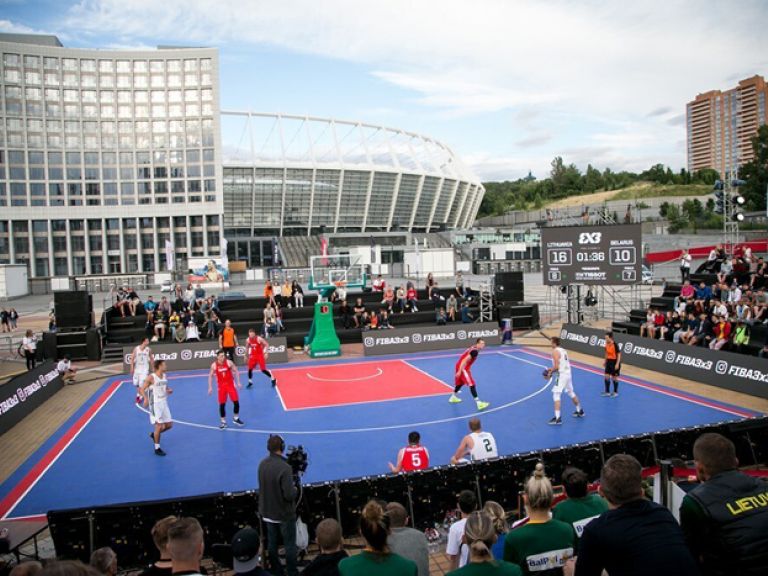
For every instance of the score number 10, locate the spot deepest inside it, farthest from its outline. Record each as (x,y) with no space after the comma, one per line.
(621,256)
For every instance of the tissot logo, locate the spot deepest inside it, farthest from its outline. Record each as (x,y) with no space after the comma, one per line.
(590,237)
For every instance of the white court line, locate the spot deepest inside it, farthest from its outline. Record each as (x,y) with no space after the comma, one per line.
(64,449)
(378,373)
(374,428)
(427,374)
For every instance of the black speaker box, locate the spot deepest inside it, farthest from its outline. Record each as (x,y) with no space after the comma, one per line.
(509,287)
(73,308)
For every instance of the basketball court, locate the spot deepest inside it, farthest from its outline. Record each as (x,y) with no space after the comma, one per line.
(351,416)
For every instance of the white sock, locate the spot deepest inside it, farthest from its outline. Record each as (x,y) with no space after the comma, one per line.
(157,445)
(557,413)
(578,407)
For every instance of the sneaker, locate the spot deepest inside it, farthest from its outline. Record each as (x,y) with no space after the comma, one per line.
(578,413)
(222,425)
(605,394)
(274,382)
(482,405)
(454,399)
(159,452)
(238,421)
(613,395)
(555,421)
(250,383)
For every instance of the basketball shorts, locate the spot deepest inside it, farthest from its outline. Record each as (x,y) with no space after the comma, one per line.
(259,361)
(464,378)
(610,368)
(139,376)
(228,391)
(561,383)
(159,413)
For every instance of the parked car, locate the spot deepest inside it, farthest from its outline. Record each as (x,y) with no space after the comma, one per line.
(647,275)
(166,286)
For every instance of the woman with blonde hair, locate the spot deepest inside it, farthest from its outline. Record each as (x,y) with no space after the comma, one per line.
(376,559)
(542,544)
(480,534)
(499,517)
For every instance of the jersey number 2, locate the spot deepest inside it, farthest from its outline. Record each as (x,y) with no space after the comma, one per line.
(487,444)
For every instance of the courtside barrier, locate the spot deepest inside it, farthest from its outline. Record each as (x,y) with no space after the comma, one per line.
(424,339)
(196,355)
(737,372)
(25,392)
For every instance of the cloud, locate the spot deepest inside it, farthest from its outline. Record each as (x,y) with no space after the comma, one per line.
(9,27)
(678,120)
(566,60)
(534,140)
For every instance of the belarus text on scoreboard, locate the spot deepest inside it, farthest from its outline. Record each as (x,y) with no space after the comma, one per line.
(606,255)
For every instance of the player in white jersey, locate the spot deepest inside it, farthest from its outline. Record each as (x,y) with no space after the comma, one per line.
(155,393)
(562,382)
(141,361)
(477,445)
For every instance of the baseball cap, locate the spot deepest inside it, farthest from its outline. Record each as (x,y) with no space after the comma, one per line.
(245,550)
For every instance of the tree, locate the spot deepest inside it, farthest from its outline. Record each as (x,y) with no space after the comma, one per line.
(593,180)
(755,172)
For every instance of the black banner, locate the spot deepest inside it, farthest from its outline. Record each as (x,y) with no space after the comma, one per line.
(196,355)
(25,392)
(404,340)
(604,255)
(737,372)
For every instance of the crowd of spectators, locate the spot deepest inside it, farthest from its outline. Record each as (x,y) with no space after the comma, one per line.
(721,315)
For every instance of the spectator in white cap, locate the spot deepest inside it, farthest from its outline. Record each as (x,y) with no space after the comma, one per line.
(245,553)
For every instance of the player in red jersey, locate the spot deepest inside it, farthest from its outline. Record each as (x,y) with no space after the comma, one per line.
(226,376)
(464,374)
(256,349)
(412,457)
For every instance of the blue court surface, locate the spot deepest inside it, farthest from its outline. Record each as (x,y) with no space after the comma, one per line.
(103,455)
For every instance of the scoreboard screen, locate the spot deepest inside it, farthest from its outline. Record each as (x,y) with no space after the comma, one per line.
(607,255)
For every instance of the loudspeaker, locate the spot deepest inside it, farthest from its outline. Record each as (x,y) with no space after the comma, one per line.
(73,308)
(93,341)
(49,345)
(509,287)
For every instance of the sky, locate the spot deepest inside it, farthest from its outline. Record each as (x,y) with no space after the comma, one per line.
(507,84)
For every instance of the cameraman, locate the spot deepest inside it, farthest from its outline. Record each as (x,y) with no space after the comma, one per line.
(277,506)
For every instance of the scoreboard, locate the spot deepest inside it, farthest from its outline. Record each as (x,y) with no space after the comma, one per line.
(595,255)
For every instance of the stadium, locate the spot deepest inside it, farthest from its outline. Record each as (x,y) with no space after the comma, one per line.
(185,246)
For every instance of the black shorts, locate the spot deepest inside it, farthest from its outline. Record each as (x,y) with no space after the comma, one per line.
(611,369)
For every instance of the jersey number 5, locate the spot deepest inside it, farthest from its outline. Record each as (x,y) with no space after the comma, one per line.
(416,460)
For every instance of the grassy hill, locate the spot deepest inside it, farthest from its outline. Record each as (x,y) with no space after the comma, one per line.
(635,191)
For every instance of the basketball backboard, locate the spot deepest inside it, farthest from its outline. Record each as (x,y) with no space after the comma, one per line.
(336,270)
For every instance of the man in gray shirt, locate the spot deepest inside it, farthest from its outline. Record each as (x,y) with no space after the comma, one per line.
(407,542)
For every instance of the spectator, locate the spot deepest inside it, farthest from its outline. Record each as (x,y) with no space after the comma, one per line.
(703,293)
(159,326)
(297,293)
(543,543)
(740,338)
(329,540)
(164,306)
(451,306)
(376,559)
(162,566)
(286,294)
(199,295)
(581,507)
(477,445)
(177,328)
(66,370)
(499,518)
(407,542)
(460,292)
(725,518)
(29,346)
(687,330)
(346,314)
(52,323)
(703,333)
(726,271)
(456,549)
(378,284)
(384,323)
(26,568)
(480,536)
(412,297)
(722,333)
(121,300)
(133,300)
(189,296)
(441,318)
(411,457)
(685,266)
(245,553)
(686,290)
(389,298)
(212,323)
(659,321)
(277,506)
(104,561)
(186,546)
(466,317)
(400,296)
(279,318)
(435,295)
(149,309)
(359,310)
(430,285)
(192,333)
(635,536)
(5,320)
(13,318)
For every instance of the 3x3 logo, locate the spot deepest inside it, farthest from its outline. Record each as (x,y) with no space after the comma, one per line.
(590,237)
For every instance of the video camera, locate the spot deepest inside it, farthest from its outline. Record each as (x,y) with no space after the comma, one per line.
(298,459)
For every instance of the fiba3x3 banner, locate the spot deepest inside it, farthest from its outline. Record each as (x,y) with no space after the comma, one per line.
(423,339)
(736,372)
(197,355)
